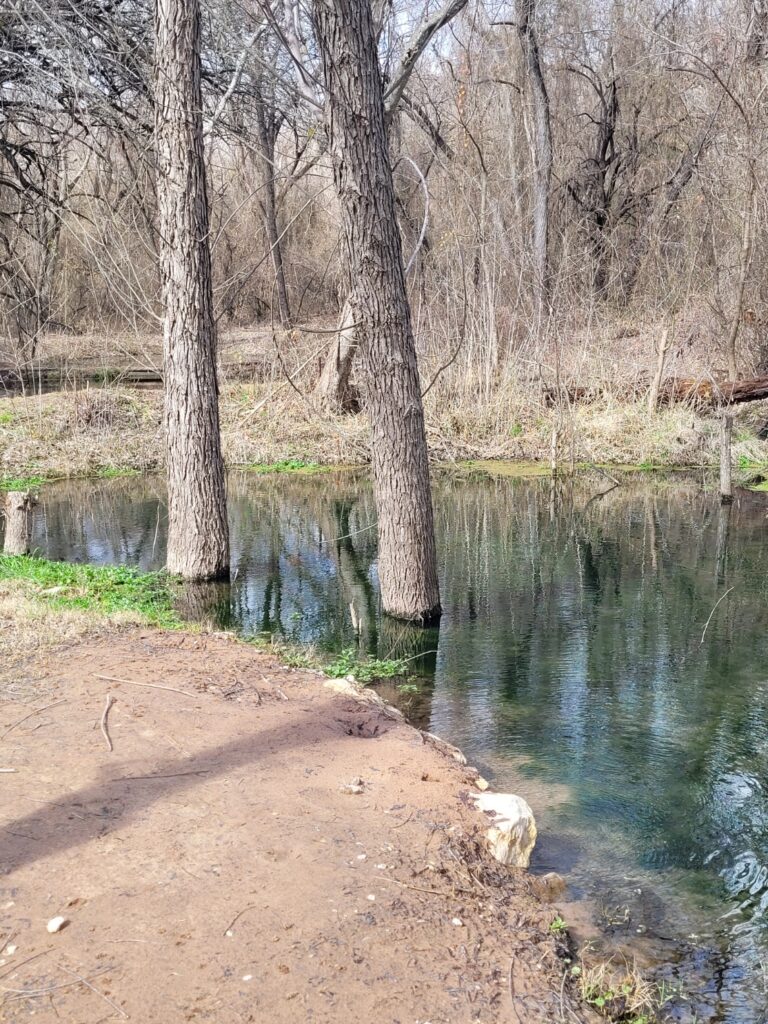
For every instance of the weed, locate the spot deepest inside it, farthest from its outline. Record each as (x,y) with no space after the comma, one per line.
(368,670)
(6,417)
(558,925)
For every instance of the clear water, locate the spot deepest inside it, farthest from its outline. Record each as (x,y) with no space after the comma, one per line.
(604,656)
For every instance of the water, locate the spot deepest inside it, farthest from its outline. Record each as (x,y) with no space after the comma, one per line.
(604,656)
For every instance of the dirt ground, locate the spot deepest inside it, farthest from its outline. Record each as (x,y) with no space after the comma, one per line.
(220,863)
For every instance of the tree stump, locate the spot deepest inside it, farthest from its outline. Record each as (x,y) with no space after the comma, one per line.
(18,522)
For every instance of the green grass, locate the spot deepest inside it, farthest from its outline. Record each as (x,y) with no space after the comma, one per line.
(101,589)
(365,670)
(6,417)
(22,483)
(286,466)
(763,486)
(112,472)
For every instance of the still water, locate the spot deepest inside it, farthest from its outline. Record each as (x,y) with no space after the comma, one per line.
(604,655)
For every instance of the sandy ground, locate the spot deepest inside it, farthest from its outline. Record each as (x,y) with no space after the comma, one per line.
(214,866)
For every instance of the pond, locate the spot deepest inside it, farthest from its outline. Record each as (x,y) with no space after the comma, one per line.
(603,652)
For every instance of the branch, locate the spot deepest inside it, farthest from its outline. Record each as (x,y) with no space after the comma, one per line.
(418,43)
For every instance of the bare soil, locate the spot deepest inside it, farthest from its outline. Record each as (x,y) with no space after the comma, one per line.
(220,863)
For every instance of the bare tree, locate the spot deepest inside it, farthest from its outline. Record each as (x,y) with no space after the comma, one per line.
(378,299)
(198,539)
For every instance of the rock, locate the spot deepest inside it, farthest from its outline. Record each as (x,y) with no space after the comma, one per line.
(482,784)
(56,924)
(549,887)
(513,834)
(447,749)
(355,786)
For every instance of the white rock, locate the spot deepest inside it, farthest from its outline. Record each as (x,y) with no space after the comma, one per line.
(482,784)
(513,834)
(56,924)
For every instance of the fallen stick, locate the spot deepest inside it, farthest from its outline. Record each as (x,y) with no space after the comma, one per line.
(152,686)
(87,983)
(104,726)
(172,775)
(236,918)
(32,714)
(7,771)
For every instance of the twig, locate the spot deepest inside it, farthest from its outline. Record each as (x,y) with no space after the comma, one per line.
(236,918)
(106,999)
(104,726)
(433,892)
(172,775)
(39,711)
(34,993)
(152,686)
(706,627)
(7,771)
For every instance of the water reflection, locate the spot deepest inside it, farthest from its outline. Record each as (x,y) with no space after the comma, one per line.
(604,652)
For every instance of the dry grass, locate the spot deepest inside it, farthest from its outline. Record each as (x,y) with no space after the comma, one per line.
(111,429)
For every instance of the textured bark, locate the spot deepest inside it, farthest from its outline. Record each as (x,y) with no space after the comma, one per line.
(18,522)
(541,151)
(335,391)
(379,303)
(198,539)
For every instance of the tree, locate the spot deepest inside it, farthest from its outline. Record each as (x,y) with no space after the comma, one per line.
(198,539)
(379,303)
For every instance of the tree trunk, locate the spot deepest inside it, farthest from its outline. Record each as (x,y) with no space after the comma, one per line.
(18,523)
(267,130)
(363,177)
(198,538)
(541,151)
(335,391)
(745,259)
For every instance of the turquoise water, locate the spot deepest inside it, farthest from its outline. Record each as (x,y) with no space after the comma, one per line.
(604,655)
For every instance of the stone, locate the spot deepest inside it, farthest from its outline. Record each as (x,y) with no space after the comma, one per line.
(512,836)
(56,924)
(549,887)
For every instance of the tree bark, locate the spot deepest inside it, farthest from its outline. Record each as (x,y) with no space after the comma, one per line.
(379,303)
(335,391)
(18,522)
(541,152)
(198,537)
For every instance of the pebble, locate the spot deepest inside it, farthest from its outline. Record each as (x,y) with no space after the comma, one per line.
(56,924)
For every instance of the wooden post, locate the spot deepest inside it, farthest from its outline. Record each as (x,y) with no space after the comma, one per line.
(726,488)
(18,522)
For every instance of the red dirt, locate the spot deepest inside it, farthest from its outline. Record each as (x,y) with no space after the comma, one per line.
(212,868)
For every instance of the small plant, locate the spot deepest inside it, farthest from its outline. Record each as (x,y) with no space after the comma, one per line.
(6,417)
(516,430)
(366,670)
(558,925)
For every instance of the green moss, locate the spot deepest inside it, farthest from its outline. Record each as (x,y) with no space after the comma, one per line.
(6,417)
(102,589)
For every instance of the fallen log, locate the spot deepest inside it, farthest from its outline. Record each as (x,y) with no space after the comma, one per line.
(673,391)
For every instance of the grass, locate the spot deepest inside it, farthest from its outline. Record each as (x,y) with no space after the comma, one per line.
(22,483)
(285,466)
(101,590)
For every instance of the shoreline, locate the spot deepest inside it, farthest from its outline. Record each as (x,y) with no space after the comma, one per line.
(115,431)
(312,788)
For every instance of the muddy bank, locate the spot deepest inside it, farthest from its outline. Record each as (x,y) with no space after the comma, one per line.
(254,847)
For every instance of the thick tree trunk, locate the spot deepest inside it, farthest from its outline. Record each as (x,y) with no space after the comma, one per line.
(379,303)
(18,523)
(198,538)
(541,152)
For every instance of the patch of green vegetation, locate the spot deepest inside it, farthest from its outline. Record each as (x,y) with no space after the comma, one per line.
(112,472)
(286,466)
(103,589)
(558,925)
(516,430)
(762,486)
(750,464)
(22,483)
(6,417)
(365,670)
